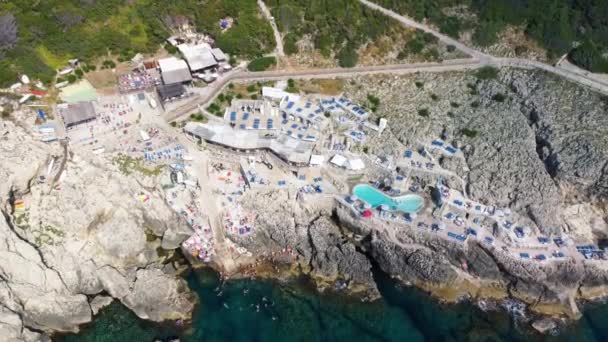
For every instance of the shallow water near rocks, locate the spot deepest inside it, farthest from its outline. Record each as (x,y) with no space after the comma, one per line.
(256,310)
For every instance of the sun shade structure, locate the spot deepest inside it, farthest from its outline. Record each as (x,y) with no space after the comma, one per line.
(77,113)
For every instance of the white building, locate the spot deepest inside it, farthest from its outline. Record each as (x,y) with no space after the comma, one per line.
(174,70)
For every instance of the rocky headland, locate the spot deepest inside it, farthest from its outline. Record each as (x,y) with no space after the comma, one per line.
(74,243)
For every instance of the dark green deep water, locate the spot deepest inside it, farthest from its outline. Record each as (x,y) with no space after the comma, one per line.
(248,310)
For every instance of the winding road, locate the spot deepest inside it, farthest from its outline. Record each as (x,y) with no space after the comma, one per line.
(478,59)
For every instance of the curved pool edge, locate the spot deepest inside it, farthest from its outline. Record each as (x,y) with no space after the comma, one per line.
(393,202)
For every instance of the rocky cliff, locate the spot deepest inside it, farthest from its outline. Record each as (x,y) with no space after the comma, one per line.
(532,142)
(78,231)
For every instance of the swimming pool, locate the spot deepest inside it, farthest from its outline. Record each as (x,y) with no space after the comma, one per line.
(406,203)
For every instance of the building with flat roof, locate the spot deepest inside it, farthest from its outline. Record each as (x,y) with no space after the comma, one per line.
(174,70)
(170,91)
(74,114)
(199,57)
(219,55)
(291,150)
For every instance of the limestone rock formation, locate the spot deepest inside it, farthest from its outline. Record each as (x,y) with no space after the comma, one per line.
(72,227)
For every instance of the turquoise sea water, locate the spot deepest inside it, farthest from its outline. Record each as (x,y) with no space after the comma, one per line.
(406,203)
(249,310)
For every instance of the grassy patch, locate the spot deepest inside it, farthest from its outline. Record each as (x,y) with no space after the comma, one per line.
(51,59)
(424,112)
(127,165)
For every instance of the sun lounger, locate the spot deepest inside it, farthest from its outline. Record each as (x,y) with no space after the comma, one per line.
(524,255)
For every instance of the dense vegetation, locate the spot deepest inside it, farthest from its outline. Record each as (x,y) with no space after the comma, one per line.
(38,37)
(337,27)
(579,27)
(262,63)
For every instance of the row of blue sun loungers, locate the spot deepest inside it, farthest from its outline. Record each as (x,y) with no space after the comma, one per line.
(539,257)
(457,237)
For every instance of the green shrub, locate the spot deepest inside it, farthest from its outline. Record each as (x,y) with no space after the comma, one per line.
(261,64)
(499,97)
(475,104)
(214,107)
(290,44)
(347,57)
(434,97)
(251,88)
(454,104)
(419,84)
(487,73)
(373,100)
(472,88)
(424,112)
(470,133)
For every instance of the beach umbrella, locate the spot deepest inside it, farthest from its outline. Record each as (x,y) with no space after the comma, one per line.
(367,214)
(384,207)
(354,198)
(412,215)
(442,226)
(367,206)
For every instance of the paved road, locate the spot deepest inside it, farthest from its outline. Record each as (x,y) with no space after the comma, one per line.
(442,37)
(483,58)
(243,76)
(478,60)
